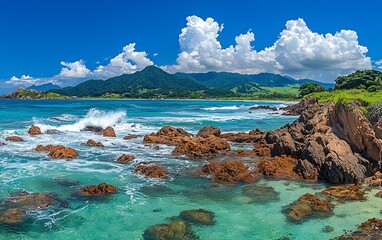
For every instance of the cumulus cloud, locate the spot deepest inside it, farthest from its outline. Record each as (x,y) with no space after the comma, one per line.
(128,61)
(24,79)
(379,64)
(298,51)
(75,69)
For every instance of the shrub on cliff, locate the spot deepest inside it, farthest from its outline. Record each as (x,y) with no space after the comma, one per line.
(366,79)
(374,112)
(308,88)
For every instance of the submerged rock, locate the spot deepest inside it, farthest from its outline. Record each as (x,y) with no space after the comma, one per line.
(350,192)
(124,158)
(167,135)
(66,182)
(92,143)
(198,216)
(201,147)
(13,216)
(207,131)
(34,130)
(308,206)
(14,139)
(129,137)
(151,171)
(260,194)
(369,230)
(97,190)
(31,201)
(230,171)
(176,230)
(109,132)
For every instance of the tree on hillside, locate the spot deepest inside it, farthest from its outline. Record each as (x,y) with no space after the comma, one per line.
(307,88)
(370,80)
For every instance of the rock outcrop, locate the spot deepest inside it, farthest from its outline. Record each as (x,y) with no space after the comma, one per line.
(231,171)
(129,137)
(279,167)
(98,190)
(58,151)
(251,137)
(263,107)
(34,130)
(92,143)
(125,158)
(167,135)
(207,131)
(342,193)
(308,206)
(332,142)
(109,132)
(151,170)
(198,147)
(369,230)
(14,139)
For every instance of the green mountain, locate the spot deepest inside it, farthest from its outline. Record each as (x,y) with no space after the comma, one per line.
(233,80)
(43,87)
(150,82)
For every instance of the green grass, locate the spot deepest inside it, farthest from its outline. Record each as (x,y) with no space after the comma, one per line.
(364,97)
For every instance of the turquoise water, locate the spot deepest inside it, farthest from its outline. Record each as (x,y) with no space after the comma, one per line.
(141,202)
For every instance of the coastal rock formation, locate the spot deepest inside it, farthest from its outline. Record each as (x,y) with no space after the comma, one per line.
(350,192)
(95,129)
(374,181)
(150,170)
(92,143)
(201,147)
(198,216)
(167,135)
(34,130)
(251,137)
(332,142)
(308,206)
(97,190)
(280,167)
(109,132)
(58,151)
(14,139)
(125,158)
(231,171)
(207,131)
(263,107)
(179,230)
(371,229)
(129,137)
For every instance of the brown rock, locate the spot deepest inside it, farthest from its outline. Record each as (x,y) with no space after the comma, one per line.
(374,181)
(129,137)
(167,135)
(207,131)
(369,230)
(230,171)
(125,159)
(13,216)
(201,147)
(64,153)
(308,206)
(14,139)
(92,143)
(151,171)
(109,132)
(97,190)
(95,129)
(264,107)
(48,148)
(34,130)
(379,194)
(31,201)
(198,216)
(350,192)
(178,230)
(278,167)
(242,137)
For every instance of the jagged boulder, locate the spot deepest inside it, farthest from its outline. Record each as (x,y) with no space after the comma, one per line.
(34,130)
(150,170)
(230,171)
(167,135)
(58,151)
(129,137)
(207,131)
(14,139)
(109,132)
(92,143)
(98,190)
(125,158)
(198,147)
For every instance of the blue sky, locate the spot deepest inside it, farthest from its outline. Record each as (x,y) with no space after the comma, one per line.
(41,38)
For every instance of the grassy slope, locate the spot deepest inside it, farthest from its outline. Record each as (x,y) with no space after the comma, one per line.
(362,96)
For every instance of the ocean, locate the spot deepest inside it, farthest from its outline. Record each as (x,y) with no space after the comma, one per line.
(141,202)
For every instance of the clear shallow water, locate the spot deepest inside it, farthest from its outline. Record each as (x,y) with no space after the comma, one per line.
(141,202)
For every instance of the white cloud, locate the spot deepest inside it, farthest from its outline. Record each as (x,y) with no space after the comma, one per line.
(24,79)
(75,69)
(128,61)
(298,51)
(379,64)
